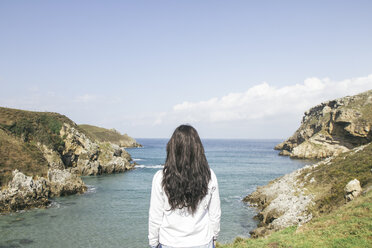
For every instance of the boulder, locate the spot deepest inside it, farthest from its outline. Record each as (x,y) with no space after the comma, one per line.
(62,182)
(352,190)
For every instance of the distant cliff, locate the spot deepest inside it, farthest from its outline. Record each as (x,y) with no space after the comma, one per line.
(44,154)
(331,128)
(109,135)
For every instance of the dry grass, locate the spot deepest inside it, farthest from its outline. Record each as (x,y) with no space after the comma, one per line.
(16,154)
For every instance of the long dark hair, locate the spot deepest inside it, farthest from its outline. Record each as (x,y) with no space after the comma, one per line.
(186,170)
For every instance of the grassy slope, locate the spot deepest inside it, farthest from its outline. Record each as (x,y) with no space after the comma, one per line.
(105,135)
(16,154)
(20,131)
(348,226)
(336,224)
(330,179)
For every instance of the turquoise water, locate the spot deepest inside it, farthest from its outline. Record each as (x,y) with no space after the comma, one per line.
(114,211)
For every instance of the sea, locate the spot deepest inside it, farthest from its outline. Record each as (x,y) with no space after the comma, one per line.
(114,210)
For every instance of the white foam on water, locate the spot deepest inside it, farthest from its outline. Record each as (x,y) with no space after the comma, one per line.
(54,204)
(91,189)
(137,159)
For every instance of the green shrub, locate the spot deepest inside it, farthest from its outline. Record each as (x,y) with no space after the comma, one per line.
(41,128)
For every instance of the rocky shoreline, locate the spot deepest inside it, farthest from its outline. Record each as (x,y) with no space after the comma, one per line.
(24,192)
(294,198)
(282,203)
(78,155)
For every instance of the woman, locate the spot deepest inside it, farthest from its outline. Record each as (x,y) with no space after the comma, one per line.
(185,204)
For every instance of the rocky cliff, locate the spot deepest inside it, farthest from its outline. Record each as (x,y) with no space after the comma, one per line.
(331,128)
(43,155)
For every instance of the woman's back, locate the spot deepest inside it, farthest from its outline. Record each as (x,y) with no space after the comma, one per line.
(180,227)
(185,205)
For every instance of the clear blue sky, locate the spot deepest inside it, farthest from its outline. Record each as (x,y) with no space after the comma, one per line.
(122,64)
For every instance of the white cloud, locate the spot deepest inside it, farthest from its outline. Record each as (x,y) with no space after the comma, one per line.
(265,101)
(262,111)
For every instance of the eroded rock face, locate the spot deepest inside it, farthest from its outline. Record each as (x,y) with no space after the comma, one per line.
(53,157)
(77,147)
(332,128)
(113,159)
(23,192)
(85,157)
(283,203)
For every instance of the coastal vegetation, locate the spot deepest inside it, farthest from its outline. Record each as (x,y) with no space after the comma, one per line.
(327,181)
(16,154)
(43,127)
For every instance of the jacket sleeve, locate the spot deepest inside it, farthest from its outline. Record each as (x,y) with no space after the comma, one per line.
(215,208)
(156,210)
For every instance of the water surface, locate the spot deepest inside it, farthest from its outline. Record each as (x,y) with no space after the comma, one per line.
(114,211)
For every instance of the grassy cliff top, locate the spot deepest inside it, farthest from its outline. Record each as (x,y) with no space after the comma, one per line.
(107,135)
(9,116)
(360,103)
(42,127)
(34,127)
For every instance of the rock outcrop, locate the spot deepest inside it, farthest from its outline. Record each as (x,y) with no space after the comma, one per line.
(283,202)
(24,192)
(82,156)
(332,128)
